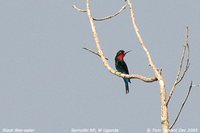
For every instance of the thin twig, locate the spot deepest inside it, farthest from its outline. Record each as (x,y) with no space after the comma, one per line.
(179,76)
(111,16)
(78,9)
(182,105)
(197,85)
(187,59)
(93,52)
(104,18)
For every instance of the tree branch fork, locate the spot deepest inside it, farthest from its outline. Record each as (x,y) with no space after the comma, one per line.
(183,67)
(158,74)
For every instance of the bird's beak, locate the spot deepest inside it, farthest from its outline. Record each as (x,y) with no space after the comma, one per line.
(127,52)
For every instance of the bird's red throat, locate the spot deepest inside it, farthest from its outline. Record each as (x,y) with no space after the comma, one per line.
(121,56)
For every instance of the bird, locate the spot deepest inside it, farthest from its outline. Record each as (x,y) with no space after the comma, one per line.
(121,66)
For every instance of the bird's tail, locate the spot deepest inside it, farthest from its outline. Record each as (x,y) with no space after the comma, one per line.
(126,85)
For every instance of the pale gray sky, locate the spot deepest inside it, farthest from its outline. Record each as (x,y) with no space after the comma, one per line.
(50,84)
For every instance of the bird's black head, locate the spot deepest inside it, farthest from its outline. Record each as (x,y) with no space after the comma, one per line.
(120,52)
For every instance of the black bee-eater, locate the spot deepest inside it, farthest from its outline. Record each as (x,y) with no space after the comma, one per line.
(121,66)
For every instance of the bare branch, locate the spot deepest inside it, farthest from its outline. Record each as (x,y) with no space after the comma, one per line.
(182,105)
(197,85)
(186,46)
(101,54)
(93,52)
(158,74)
(78,9)
(111,16)
(104,18)
(151,63)
(136,76)
(179,76)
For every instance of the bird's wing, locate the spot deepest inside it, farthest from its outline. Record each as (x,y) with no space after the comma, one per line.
(124,67)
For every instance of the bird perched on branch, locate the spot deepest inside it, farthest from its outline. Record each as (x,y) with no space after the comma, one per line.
(121,66)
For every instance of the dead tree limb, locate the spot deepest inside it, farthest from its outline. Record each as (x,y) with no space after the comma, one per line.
(104,18)
(158,73)
(136,76)
(111,16)
(78,9)
(93,52)
(164,109)
(181,71)
(182,105)
(197,85)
